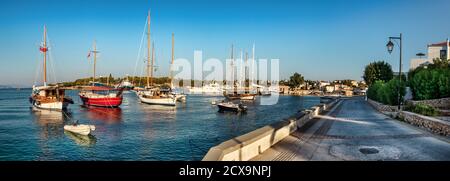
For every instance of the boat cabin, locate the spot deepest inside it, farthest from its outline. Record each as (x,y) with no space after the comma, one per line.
(50,92)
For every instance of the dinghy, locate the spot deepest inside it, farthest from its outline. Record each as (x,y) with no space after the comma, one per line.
(81,129)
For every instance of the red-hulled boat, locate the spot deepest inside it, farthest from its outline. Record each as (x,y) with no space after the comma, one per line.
(101,96)
(98,94)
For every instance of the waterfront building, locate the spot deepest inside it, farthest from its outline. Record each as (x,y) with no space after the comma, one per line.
(435,50)
(354,83)
(284,89)
(329,88)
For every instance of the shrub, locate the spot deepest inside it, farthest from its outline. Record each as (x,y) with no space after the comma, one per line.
(423,109)
(430,83)
(387,93)
(372,92)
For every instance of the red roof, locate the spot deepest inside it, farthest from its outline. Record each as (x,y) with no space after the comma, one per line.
(440,44)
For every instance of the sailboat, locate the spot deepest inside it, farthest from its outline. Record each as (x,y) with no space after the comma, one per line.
(152,94)
(178,95)
(46,96)
(247,95)
(98,94)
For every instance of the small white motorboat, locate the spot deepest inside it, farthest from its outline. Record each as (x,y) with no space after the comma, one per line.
(82,129)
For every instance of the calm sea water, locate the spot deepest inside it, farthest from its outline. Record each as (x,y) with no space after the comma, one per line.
(136,131)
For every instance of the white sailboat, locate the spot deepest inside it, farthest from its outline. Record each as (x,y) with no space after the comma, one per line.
(152,94)
(48,97)
(178,95)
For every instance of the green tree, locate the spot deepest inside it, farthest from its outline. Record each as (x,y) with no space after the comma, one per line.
(440,63)
(379,70)
(430,83)
(111,79)
(296,80)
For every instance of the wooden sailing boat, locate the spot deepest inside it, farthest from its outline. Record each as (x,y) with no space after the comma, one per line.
(48,97)
(178,95)
(98,94)
(247,95)
(152,94)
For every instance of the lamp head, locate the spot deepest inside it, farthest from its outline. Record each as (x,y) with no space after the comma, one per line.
(390,46)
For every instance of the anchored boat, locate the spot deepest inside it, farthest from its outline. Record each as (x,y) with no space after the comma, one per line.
(82,129)
(99,94)
(152,94)
(178,95)
(246,93)
(46,96)
(126,85)
(244,96)
(157,96)
(229,106)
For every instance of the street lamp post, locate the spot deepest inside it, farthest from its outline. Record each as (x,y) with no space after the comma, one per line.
(390,47)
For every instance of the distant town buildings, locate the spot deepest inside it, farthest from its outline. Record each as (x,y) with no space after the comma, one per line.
(284,89)
(329,89)
(436,50)
(337,87)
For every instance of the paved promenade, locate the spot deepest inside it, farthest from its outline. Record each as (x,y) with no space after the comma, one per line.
(353,130)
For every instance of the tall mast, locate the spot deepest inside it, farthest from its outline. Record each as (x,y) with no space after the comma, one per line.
(148,49)
(95,60)
(44,49)
(253,63)
(240,68)
(246,70)
(173,57)
(153,63)
(232,66)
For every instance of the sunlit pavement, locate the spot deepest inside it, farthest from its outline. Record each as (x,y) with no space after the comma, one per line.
(353,130)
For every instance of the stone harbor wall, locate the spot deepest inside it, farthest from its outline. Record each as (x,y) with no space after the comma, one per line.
(432,124)
(381,107)
(443,103)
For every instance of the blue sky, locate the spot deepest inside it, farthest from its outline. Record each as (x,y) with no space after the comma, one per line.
(328,39)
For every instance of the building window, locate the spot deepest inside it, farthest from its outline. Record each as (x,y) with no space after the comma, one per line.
(443,55)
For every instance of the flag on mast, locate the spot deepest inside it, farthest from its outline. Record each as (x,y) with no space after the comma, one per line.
(89,54)
(43,49)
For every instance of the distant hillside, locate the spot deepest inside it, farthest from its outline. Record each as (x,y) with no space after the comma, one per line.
(5,87)
(13,86)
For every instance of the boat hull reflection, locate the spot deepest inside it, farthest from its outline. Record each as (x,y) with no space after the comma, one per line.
(82,140)
(50,122)
(108,115)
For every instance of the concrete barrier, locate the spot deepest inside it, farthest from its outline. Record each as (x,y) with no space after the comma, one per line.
(247,146)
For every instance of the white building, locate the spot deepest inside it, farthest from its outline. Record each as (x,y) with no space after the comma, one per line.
(323,84)
(329,88)
(437,50)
